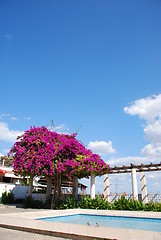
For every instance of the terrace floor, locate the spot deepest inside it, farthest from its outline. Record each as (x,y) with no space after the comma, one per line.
(24,220)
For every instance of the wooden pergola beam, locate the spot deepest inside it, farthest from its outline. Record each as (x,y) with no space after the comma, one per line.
(139,168)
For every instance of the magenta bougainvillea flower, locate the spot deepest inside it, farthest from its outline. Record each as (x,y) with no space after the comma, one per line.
(42,152)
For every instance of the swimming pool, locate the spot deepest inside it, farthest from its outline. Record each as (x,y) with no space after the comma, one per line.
(148,224)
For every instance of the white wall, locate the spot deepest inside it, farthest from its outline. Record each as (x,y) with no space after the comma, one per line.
(6,187)
(19,192)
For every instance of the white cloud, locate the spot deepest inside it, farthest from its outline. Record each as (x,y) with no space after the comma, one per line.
(60,128)
(127,161)
(150,176)
(101,147)
(14,118)
(8,116)
(8,36)
(156,184)
(153,131)
(153,175)
(1,154)
(5,115)
(147,108)
(8,135)
(152,152)
(27,118)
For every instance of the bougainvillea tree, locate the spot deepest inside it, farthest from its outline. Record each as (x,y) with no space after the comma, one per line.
(41,152)
(73,159)
(33,153)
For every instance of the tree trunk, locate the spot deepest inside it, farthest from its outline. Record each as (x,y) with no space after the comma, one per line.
(31,185)
(49,187)
(59,186)
(75,187)
(54,197)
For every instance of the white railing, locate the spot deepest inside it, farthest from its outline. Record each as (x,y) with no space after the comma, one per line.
(152,197)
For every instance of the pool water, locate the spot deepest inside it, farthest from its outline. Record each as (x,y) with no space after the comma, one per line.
(148,224)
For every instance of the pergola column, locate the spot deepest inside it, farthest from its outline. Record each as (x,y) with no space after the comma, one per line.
(92,193)
(143,188)
(75,187)
(106,188)
(134,184)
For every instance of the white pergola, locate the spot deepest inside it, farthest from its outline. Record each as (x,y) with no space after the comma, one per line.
(133,169)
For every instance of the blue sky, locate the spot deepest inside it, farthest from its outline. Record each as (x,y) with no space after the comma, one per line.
(88,65)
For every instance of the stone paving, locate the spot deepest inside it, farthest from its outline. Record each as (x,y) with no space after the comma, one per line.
(8,234)
(15,209)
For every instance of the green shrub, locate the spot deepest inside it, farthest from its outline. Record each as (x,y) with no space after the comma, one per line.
(69,203)
(32,203)
(47,203)
(85,202)
(19,201)
(153,206)
(130,205)
(97,203)
(7,198)
(120,204)
(89,203)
